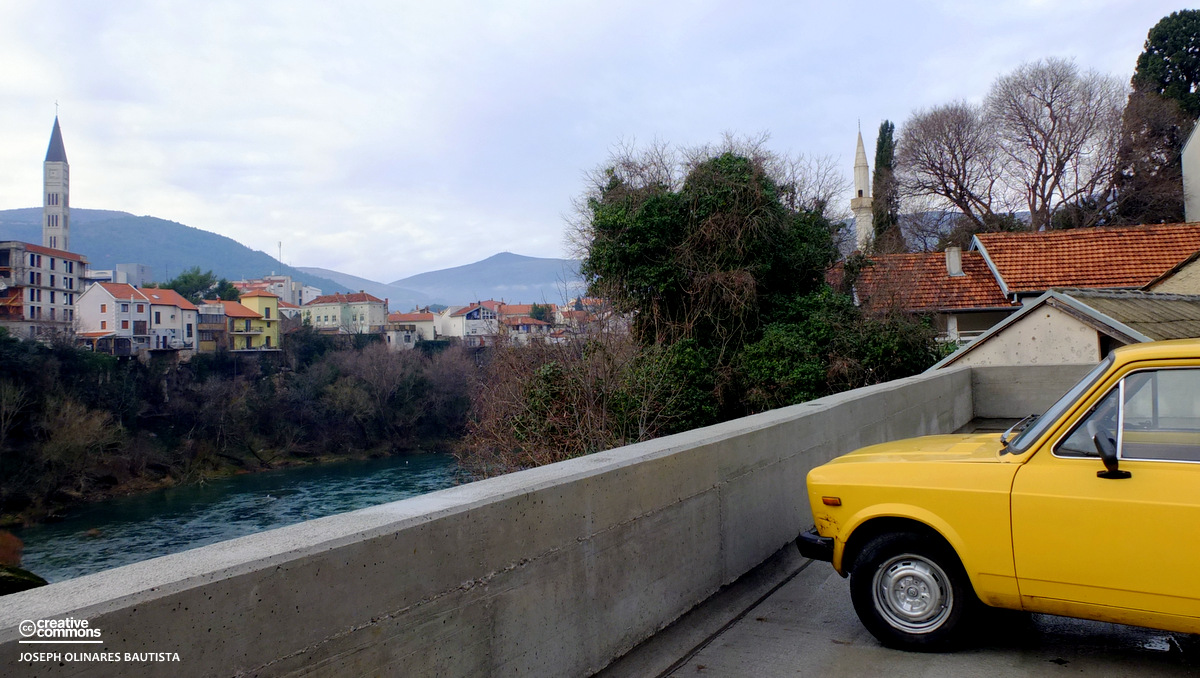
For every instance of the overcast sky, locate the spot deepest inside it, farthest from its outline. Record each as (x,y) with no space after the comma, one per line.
(390,138)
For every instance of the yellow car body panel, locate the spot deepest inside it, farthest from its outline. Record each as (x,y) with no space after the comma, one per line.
(1037,530)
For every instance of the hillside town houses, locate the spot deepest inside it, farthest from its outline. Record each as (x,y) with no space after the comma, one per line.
(1091,287)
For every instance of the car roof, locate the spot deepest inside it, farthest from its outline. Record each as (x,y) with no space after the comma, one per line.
(1158,350)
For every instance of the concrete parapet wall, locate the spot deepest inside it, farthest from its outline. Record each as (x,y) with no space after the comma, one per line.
(1016,392)
(554,571)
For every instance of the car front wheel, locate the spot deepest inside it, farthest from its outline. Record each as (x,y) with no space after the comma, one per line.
(911,592)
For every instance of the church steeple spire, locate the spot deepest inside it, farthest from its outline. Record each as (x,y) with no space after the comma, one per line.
(860,204)
(56,189)
(56,152)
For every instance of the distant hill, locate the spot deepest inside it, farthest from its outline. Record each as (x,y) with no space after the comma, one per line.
(399,299)
(108,238)
(506,276)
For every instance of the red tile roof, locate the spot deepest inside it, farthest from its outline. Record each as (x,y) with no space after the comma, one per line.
(523,309)
(284,304)
(1032,262)
(235,310)
(167,297)
(122,291)
(260,293)
(339,298)
(523,321)
(490,304)
(410,317)
(920,282)
(61,254)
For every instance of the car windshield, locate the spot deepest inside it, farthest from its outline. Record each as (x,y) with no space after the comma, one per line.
(1031,433)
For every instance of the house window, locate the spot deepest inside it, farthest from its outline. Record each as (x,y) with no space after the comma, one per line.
(141,308)
(104,308)
(32,278)
(247,329)
(52,276)
(104,324)
(52,296)
(267,313)
(32,294)
(70,267)
(52,312)
(267,341)
(70,299)
(51,265)
(124,324)
(70,283)
(189,330)
(158,317)
(124,308)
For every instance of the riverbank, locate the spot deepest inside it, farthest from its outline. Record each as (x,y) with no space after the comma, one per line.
(122,530)
(112,484)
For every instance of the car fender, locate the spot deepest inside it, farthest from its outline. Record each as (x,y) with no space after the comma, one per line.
(903,511)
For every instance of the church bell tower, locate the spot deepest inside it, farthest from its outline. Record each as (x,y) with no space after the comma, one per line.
(56,188)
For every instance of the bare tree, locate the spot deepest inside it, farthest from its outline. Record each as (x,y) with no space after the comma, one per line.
(948,153)
(1149,181)
(13,400)
(807,183)
(1057,130)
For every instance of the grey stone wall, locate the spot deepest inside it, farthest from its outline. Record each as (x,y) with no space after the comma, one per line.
(554,571)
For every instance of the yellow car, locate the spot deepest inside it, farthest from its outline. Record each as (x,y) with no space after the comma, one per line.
(1091,510)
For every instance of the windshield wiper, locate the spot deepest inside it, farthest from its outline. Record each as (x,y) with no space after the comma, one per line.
(1017,428)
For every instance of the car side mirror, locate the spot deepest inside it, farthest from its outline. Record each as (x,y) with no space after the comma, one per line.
(1106,445)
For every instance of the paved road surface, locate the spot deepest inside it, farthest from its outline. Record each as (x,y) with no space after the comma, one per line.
(808,628)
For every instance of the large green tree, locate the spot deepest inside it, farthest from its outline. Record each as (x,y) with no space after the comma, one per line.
(710,259)
(1156,122)
(886,204)
(1170,63)
(196,286)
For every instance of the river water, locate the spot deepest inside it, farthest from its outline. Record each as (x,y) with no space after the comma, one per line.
(126,530)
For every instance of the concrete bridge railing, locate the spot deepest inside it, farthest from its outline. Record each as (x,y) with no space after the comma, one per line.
(554,571)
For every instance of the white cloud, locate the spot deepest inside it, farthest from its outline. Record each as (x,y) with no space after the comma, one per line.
(387,138)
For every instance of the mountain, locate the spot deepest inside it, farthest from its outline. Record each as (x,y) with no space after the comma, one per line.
(108,238)
(506,276)
(399,299)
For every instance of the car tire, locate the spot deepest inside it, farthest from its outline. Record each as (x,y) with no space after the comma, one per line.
(911,592)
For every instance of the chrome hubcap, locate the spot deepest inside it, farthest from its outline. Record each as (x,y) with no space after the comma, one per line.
(913,594)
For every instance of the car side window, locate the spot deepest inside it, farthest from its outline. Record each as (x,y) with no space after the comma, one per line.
(1102,417)
(1161,419)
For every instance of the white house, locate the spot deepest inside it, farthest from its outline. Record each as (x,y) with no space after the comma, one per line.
(173,320)
(357,313)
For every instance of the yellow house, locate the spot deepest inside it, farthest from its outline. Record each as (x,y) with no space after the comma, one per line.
(261,332)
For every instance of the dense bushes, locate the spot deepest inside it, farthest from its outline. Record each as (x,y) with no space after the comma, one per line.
(75,424)
(718,263)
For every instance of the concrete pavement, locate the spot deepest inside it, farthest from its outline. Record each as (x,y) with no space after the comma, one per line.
(807,627)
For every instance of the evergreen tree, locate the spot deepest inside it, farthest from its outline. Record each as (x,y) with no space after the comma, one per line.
(886,204)
(1157,120)
(1170,63)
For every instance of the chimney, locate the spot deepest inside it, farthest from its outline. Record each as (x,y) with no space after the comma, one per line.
(954,262)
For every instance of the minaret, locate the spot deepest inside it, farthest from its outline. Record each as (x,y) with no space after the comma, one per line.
(860,204)
(56,205)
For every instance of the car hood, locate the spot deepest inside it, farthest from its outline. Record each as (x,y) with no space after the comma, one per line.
(974,447)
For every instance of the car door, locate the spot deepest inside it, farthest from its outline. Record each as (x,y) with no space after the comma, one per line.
(1110,542)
